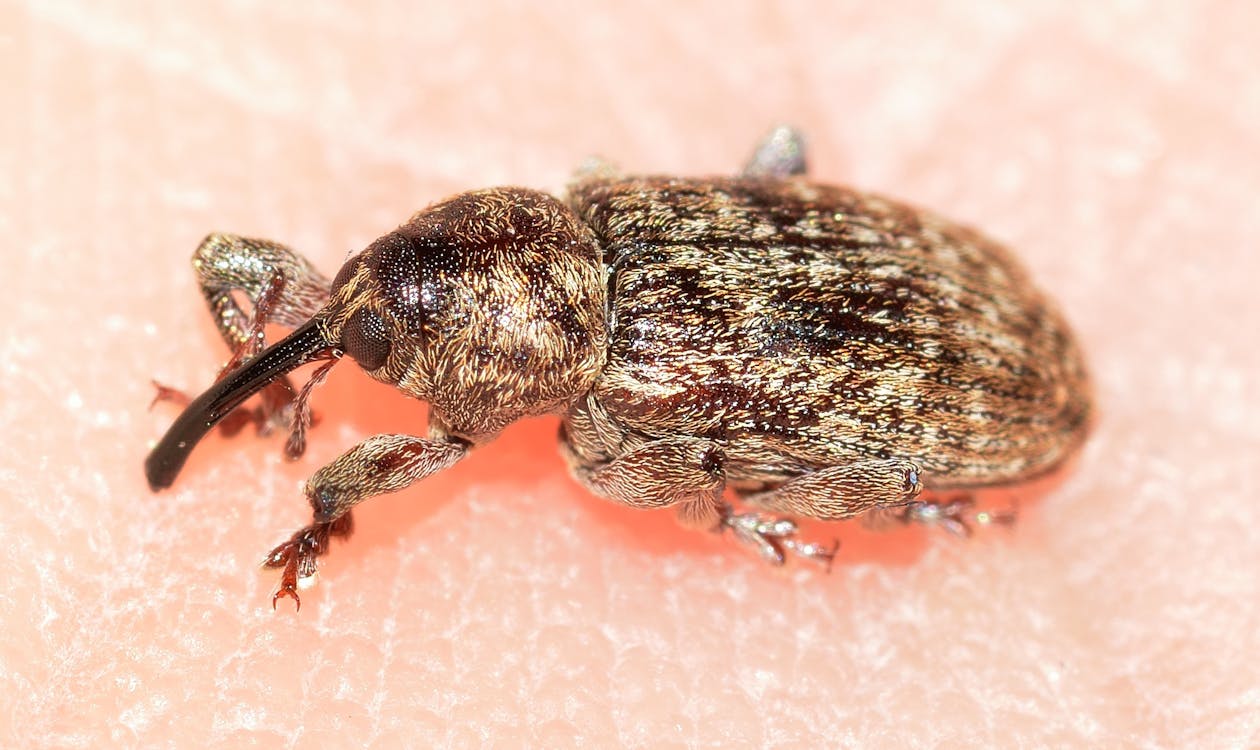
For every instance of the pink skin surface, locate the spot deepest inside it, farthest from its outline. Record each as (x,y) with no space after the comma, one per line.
(1114,145)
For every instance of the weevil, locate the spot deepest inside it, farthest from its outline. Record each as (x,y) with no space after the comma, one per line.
(817,351)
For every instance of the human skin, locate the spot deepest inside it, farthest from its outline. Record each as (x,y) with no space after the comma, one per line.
(498,604)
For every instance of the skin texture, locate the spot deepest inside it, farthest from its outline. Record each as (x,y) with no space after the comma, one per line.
(499,603)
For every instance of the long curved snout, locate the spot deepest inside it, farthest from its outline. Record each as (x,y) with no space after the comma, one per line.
(305,344)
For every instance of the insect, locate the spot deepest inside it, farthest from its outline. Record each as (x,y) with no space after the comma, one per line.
(817,351)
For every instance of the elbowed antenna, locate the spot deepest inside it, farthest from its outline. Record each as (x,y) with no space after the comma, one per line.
(303,345)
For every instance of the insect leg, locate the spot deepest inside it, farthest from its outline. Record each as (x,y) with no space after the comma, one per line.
(957,515)
(780,154)
(773,537)
(844,491)
(595,168)
(687,473)
(281,287)
(376,466)
(225,263)
(684,472)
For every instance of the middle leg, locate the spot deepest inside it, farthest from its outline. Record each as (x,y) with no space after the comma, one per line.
(687,473)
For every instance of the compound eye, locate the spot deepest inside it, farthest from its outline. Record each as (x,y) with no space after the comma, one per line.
(366,339)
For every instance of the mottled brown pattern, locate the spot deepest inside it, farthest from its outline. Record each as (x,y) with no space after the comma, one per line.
(802,326)
(824,352)
(493,301)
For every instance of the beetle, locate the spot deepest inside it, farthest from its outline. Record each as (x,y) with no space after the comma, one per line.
(818,351)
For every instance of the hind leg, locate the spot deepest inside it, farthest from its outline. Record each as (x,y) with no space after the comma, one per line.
(281,287)
(840,492)
(956,514)
(882,493)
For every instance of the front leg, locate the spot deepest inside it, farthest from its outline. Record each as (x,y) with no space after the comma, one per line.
(226,263)
(281,287)
(379,465)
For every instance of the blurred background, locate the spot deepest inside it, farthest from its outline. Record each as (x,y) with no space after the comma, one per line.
(1112,144)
